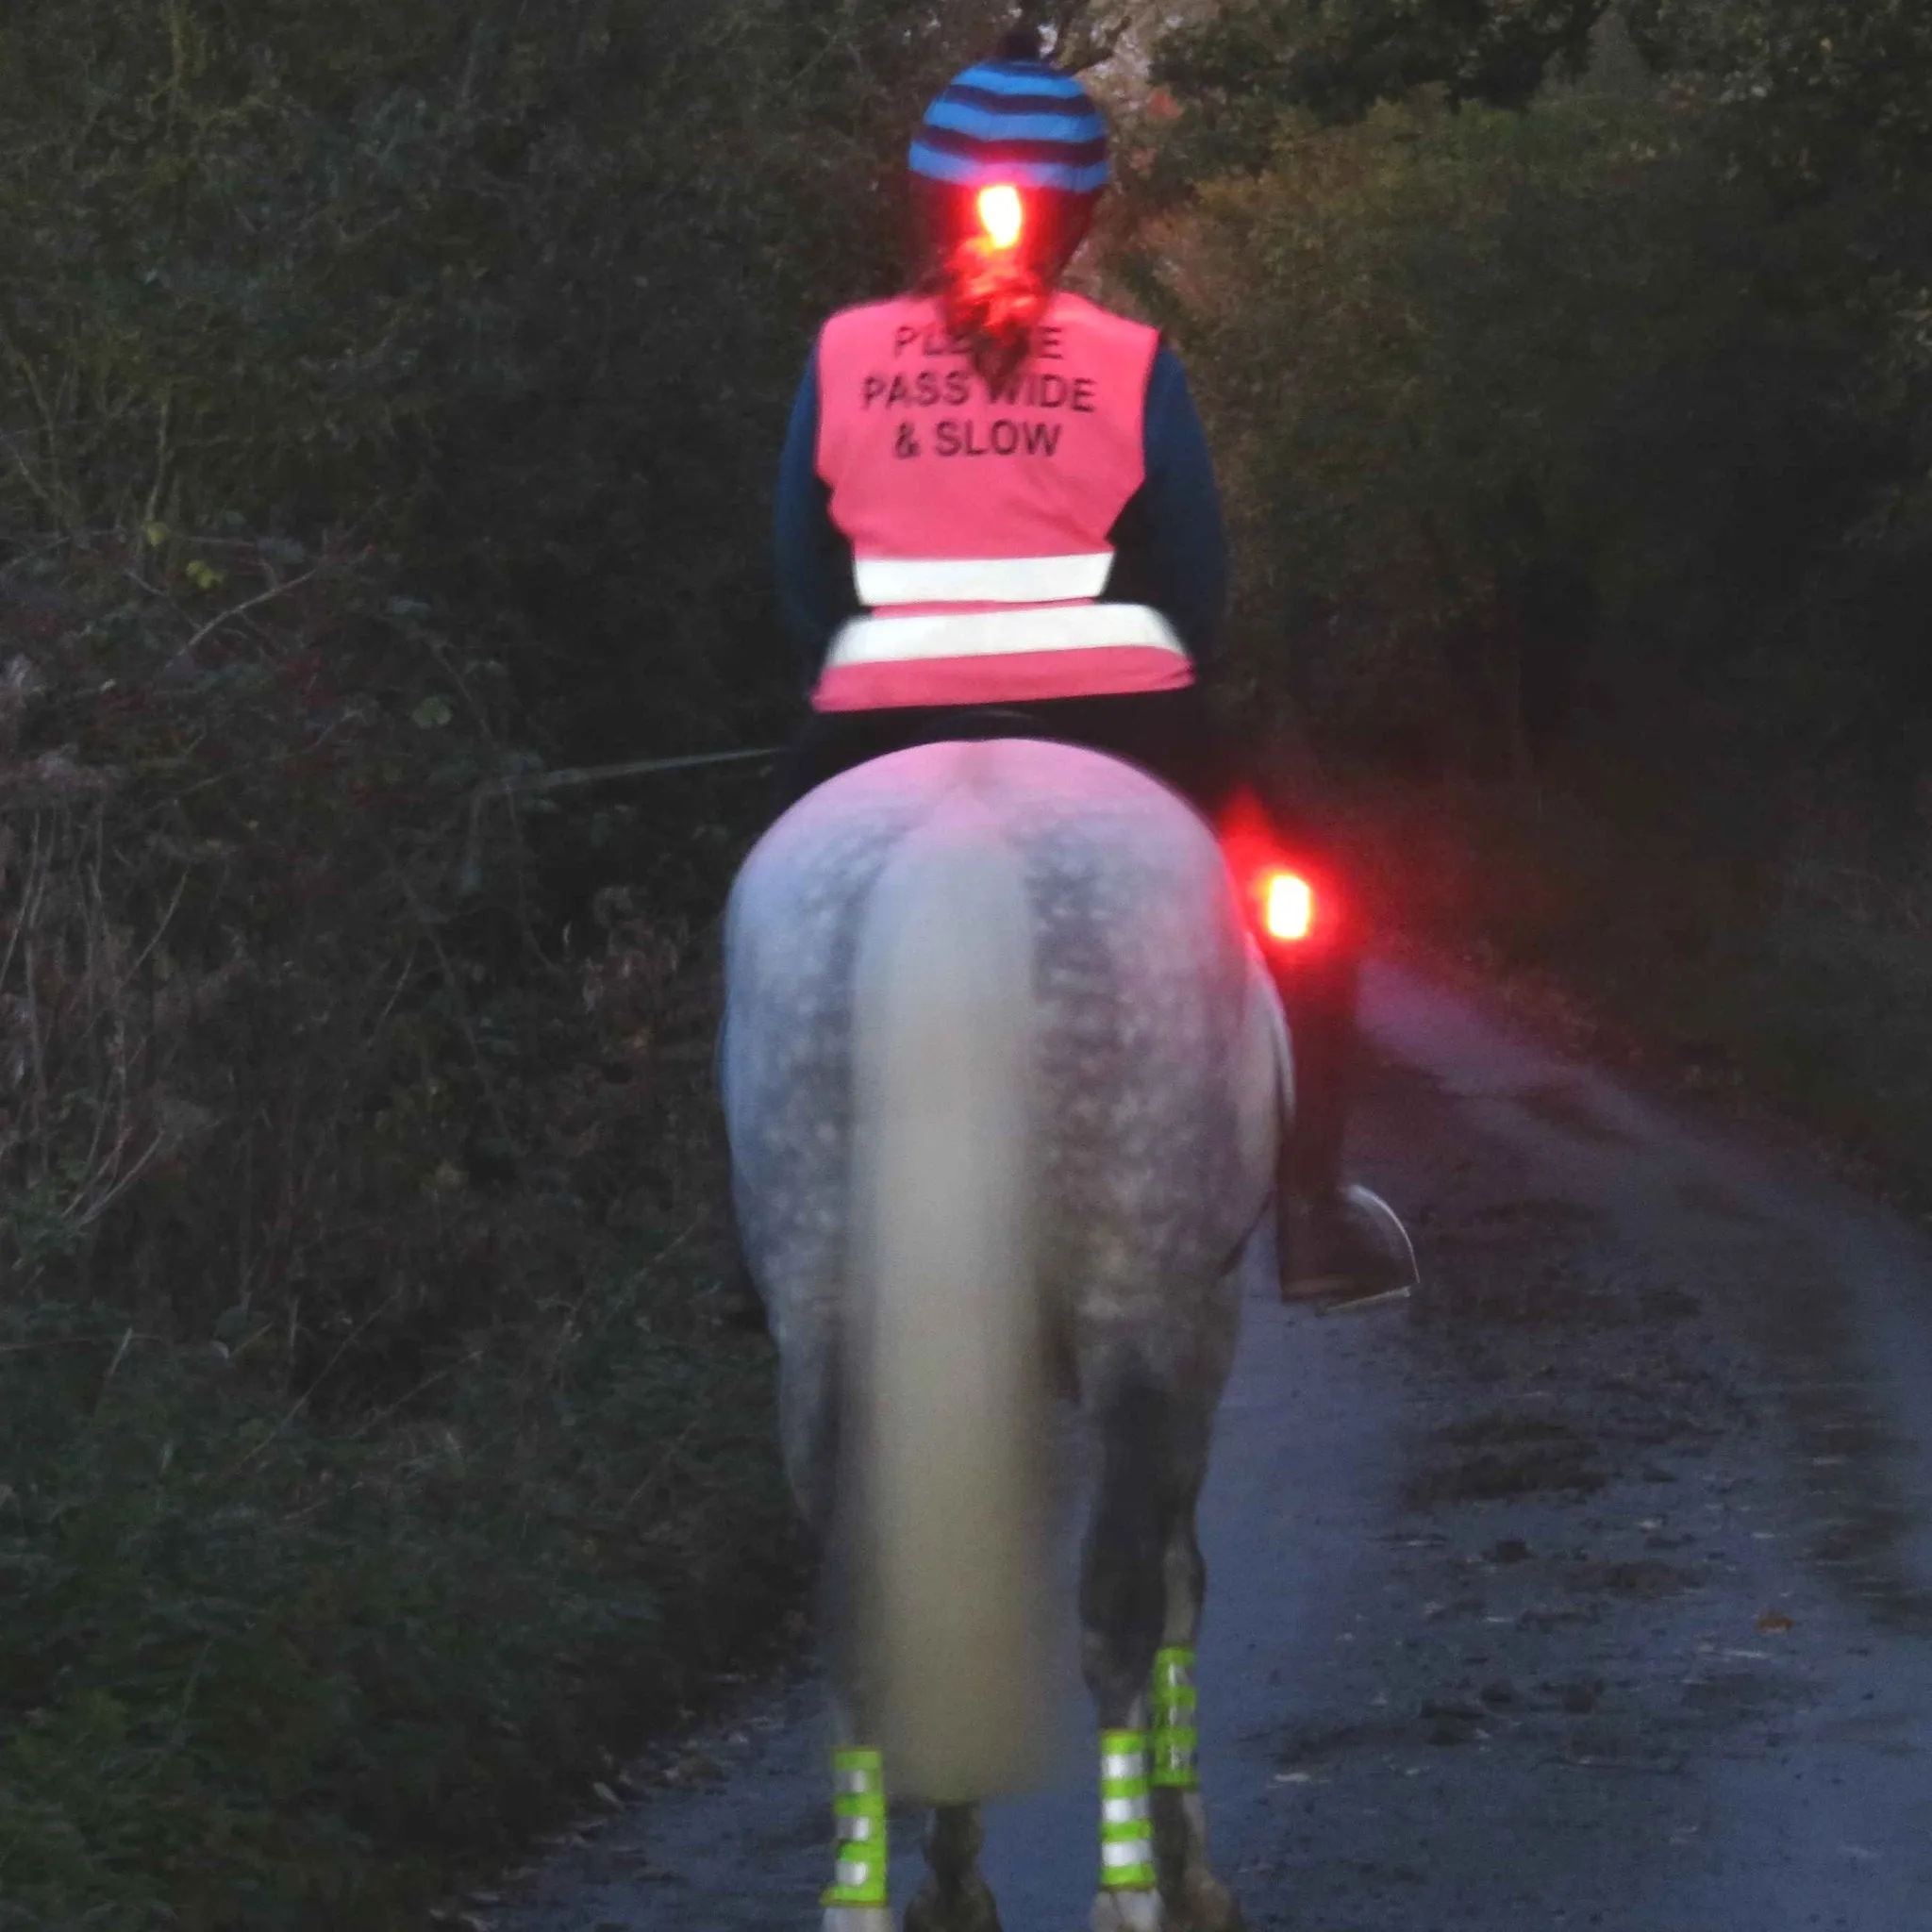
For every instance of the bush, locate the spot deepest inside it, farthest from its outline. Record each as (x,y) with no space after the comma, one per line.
(265,1674)
(235,794)
(377,1451)
(1498,418)
(387,399)
(523,289)
(1579,458)
(1602,421)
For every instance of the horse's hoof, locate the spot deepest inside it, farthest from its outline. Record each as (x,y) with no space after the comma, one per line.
(856,1919)
(1129,1911)
(1200,1903)
(969,1909)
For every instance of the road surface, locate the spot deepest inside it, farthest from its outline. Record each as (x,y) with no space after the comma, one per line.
(1594,1592)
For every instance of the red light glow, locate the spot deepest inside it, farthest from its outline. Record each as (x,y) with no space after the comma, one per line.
(1001,215)
(1288,906)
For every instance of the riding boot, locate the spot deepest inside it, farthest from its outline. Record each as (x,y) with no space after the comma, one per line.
(1337,1244)
(1319,999)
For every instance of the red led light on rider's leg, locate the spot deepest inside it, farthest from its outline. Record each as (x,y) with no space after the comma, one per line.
(1288,906)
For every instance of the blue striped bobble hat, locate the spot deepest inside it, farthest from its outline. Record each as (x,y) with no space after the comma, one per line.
(1013,119)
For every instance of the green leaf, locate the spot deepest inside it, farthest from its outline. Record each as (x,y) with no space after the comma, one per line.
(432,713)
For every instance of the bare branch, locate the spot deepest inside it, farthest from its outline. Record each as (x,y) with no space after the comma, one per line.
(248,604)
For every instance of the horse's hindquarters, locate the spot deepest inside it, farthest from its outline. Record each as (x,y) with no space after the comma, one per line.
(997,1059)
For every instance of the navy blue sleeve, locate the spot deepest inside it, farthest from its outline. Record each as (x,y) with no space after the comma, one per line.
(813,559)
(1174,522)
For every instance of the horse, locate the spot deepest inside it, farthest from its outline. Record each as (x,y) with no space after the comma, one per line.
(1005,1084)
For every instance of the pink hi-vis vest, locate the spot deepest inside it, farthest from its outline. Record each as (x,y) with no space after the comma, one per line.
(978,520)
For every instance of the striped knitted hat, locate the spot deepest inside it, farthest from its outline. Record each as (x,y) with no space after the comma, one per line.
(1013,118)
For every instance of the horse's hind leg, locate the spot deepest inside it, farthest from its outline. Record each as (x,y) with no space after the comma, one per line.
(1154,1454)
(956,1898)
(856,1901)
(1196,1900)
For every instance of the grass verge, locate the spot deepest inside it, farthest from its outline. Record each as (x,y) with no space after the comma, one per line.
(267,1671)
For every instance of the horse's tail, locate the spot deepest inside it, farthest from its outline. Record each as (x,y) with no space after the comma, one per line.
(948,1389)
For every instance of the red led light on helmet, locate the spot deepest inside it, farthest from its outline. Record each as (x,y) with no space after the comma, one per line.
(1003,215)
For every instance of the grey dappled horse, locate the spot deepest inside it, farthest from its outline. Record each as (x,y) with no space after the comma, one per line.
(1004,1080)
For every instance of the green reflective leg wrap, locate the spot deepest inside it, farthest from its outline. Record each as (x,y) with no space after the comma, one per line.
(1127,1833)
(1175,1737)
(858,1818)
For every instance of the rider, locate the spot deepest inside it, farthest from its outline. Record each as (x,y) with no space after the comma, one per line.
(996,516)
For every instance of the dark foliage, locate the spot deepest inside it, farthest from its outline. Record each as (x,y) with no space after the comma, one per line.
(1582,456)
(387,399)
(388,394)
(1618,411)
(1336,58)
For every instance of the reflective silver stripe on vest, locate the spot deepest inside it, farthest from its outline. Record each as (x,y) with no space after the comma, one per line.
(1000,633)
(883,581)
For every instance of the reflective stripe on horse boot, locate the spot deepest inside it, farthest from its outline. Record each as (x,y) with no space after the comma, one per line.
(1175,1737)
(1126,1835)
(858,1818)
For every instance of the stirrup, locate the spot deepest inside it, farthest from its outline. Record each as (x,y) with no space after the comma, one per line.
(1343,1251)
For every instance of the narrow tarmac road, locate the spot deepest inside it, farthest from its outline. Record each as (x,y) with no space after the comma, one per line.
(1594,1592)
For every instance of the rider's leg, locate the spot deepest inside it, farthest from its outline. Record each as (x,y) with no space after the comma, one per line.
(1322,1252)
(1320,983)
(1336,1242)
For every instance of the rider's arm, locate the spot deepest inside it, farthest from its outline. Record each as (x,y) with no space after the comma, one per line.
(1173,551)
(814,561)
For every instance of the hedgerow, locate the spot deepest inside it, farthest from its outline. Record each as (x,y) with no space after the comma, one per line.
(377,1449)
